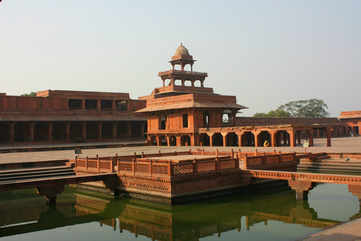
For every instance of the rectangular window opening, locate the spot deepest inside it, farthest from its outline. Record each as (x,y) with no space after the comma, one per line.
(91,104)
(107,104)
(185,120)
(162,122)
(75,104)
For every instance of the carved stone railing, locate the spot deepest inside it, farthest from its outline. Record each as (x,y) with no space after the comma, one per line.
(269,161)
(302,176)
(96,165)
(144,167)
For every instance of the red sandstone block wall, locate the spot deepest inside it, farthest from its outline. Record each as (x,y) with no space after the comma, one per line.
(280,121)
(46,104)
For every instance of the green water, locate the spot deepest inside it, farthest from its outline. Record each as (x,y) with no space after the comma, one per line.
(88,216)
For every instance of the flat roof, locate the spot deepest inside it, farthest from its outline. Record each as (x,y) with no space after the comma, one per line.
(180,158)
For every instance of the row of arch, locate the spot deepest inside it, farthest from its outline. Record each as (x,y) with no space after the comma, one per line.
(247,138)
(185,82)
(162,140)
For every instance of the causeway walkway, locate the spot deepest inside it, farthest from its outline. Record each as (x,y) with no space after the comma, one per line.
(345,145)
(350,231)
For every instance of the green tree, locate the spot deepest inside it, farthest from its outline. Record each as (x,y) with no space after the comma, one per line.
(29,94)
(273,114)
(312,108)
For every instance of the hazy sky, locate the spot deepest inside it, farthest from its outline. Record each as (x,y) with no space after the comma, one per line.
(265,52)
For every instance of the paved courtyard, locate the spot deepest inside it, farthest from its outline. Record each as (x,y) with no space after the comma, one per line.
(345,145)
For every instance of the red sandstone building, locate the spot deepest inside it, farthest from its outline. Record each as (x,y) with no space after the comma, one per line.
(185,112)
(57,116)
(181,112)
(352,120)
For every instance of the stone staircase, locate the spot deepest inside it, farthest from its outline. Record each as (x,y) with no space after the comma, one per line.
(13,175)
(323,164)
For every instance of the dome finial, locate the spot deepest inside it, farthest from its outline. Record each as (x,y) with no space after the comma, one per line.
(182,53)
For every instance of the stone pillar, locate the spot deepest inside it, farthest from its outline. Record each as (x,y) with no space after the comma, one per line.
(224,139)
(100,131)
(12,132)
(310,137)
(83,104)
(32,131)
(328,134)
(240,139)
(168,140)
(178,140)
(301,188)
(211,140)
(84,131)
(273,139)
(157,138)
(115,130)
(50,132)
(67,131)
(256,144)
(291,133)
(195,140)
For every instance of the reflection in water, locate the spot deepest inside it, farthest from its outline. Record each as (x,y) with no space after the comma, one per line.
(243,215)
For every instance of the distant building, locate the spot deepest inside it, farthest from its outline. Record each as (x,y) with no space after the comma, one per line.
(58,116)
(353,121)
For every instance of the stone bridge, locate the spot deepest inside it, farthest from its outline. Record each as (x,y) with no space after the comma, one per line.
(303,182)
(50,187)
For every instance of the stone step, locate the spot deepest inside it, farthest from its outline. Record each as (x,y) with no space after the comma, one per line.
(43,172)
(35,176)
(39,169)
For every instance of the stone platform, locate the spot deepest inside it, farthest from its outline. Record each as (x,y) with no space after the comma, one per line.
(70,146)
(350,231)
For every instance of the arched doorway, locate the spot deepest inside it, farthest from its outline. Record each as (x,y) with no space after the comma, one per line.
(153,140)
(232,139)
(204,139)
(248,139)
(172,141)
(217,139)
(282,138)
(264,137)
(163,141)
(185,141)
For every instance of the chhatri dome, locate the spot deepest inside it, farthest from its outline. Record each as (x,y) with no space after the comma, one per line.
(182,53)
(182,58)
